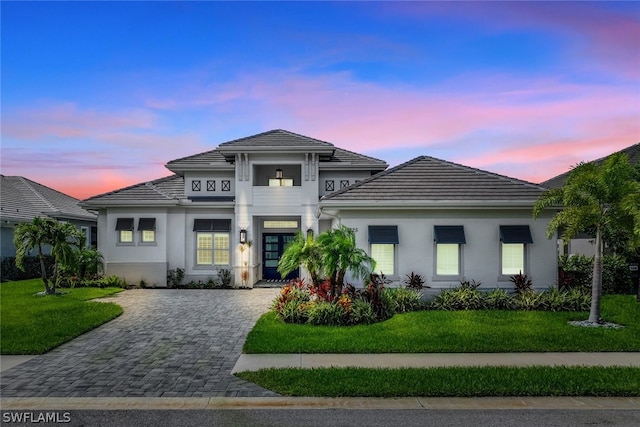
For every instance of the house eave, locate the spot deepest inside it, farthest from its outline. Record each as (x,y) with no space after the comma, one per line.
(123,203)
(426,204)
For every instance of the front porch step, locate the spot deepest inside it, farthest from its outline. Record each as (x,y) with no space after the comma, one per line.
(272,283)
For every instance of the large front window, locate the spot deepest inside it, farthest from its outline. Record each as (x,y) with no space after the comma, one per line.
(212,249)
(513,249)
(512,258)
(447,259)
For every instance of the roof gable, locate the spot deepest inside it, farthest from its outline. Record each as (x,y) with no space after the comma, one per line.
(23,200)
(427,179)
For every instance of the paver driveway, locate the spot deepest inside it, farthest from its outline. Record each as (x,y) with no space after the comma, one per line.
(166,343)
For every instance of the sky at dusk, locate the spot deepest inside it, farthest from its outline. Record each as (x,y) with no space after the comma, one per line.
(96,96)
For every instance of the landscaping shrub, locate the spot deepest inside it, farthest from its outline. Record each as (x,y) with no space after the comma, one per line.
(577,271)
(175,277)
(327,313)
(404,299)
(414,281)
(361,313)
(616,276)
(96,282)
(224,276)
(460,298)
(529,300)
(499,299)
(9,270)
(521,282)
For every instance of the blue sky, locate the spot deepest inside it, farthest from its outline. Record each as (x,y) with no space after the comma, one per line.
(96,96)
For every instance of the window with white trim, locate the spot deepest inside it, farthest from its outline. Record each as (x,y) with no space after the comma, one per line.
(147,229)
(448,240)
(212,242)
(383,240)
(124,227)
(513,249)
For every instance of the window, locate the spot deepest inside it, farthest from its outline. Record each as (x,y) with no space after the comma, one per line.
(226,185)
(280,224)
(512,258)
(344,183)
(87,235)
(211,186)
(147,229)
(328,185)
(384,256)
(383,240)
(212,241)
(514,239)
(195,185)
(124,227)
(448,239)
(447,259)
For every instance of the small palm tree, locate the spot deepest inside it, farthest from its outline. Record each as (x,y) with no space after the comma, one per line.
(33,235)
(596,198)
(90,263)
(303,251)
(341,255)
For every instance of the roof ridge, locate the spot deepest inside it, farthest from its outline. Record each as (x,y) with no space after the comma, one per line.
(274,131)
(486,172)
(28,183)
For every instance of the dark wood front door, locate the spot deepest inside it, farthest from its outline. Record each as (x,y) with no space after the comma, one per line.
(273,245)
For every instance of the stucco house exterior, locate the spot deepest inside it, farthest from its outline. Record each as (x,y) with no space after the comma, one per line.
(443,220)
(22,199)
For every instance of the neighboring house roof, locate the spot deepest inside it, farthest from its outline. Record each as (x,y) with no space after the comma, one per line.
(633,152)
(430,181)
(273,141)
(21,200)
(167,190)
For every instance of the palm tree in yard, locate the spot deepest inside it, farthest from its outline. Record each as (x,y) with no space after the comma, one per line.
(341,255)
(33,235)
(596,198)
(303,251)
(62,238)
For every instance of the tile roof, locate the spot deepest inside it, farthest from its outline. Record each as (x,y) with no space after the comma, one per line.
(632,151)
(274,139)
(167,189)
(427,179)
(22,200)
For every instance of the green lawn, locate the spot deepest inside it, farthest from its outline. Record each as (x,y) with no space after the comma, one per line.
(34,324)
(457,331)
(462,382)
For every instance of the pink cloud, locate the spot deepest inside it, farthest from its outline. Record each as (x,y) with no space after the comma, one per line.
(67,120)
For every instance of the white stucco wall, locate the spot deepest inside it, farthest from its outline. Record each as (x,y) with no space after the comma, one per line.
(480,255)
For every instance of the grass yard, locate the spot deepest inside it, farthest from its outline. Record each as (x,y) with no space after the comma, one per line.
(461,382)
(34,324)
(457,331)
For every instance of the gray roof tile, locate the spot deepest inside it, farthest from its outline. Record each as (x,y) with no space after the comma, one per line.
(22,200)
(160,190)
(429,179)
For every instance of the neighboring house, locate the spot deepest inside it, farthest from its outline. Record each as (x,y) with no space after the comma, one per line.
(584,244)
(21,200)
(445,221)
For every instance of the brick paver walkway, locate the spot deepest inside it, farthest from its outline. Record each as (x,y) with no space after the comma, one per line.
(166,343)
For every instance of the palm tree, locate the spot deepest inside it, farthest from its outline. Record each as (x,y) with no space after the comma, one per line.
(596,198)
(303,251)
(90,263)
(30,235)
(65,240)
(341,255)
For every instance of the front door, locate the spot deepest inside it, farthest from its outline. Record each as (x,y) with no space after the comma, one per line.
(273,245)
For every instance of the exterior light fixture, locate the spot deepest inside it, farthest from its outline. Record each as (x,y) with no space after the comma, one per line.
(310,233)
(243,236)
(279,173)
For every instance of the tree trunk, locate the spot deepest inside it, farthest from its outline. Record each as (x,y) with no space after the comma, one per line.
(43,272)
(596,284)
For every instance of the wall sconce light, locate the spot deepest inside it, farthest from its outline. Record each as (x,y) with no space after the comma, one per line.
(243,236)
(310,233)
(279,173)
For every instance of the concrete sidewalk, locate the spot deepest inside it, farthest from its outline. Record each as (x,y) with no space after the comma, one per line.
(254,362)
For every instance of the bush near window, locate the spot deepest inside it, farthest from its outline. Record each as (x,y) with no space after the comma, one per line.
(576,271)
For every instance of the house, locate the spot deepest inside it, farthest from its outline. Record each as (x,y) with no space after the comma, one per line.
(583,243)
(445,221)
(21,200)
